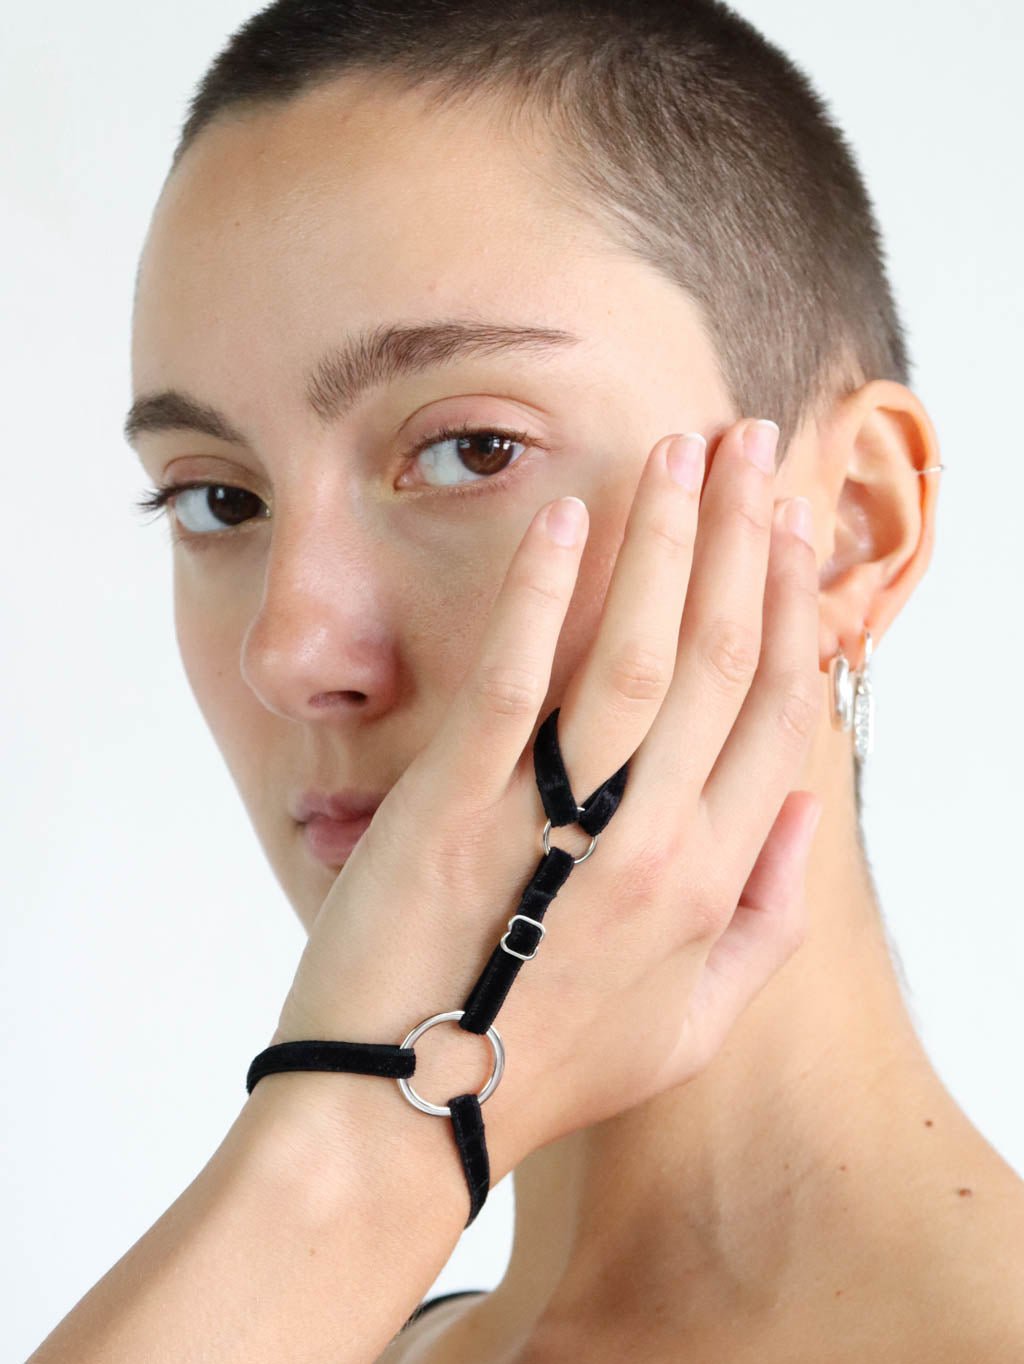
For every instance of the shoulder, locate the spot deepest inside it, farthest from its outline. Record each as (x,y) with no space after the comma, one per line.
(998,1340)
(425,1325)
(975,1302)
(989,1328)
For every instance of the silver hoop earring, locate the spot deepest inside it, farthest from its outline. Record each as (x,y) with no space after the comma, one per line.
(852,699)
(864,706)
(841,691)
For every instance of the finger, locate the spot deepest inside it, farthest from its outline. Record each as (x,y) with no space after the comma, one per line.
(771,736)
(720,635)
(612,699)
(495,709)
(768,926)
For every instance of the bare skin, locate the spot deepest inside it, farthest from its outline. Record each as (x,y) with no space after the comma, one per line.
(816,1192)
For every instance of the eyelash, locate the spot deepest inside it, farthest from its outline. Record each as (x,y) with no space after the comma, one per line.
(156,499)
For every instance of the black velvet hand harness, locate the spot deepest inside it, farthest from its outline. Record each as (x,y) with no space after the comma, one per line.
(518,944)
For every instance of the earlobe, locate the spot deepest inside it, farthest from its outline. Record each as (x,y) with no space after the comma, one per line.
(880,440)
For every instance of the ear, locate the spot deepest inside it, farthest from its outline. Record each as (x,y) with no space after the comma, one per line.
(880,512)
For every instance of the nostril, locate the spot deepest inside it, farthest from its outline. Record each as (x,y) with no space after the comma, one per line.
(326,699)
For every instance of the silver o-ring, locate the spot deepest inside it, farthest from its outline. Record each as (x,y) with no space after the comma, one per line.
(546,838)
(443,1110)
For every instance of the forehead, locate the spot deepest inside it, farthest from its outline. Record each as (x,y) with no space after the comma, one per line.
(354,191)
(285,227)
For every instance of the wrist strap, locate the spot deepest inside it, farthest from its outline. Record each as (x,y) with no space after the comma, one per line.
(518,944)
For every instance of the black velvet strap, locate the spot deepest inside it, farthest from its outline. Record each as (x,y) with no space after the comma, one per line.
(495,980)
(468,1127)
(493,984)
(556,793)
(364,1058)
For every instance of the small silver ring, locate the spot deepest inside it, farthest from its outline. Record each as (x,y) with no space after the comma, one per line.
(546,839)
(443,1110)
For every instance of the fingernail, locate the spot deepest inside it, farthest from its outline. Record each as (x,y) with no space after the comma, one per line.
(798,518)
(685,459)
(564,520)
(759,441)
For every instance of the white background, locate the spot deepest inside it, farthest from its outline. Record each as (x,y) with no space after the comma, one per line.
(146,946)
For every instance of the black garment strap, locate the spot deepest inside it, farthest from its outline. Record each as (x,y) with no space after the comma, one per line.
(518,944)
(468,1126)
(364,1058)
(504,963)
(556,793)
(522,939)
(494,982)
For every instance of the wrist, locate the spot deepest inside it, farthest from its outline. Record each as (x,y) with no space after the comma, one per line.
(338,1144)
(333,1120)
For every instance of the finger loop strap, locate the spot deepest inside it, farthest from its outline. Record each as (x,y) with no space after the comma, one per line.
(518,945)
(555,792)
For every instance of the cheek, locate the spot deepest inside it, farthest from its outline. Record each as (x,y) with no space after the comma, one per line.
(445,621)
(442,625)
(209,636)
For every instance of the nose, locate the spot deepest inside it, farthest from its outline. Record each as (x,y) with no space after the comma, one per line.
(320,647)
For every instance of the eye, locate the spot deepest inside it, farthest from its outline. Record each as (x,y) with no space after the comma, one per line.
(205,508)
(468,454)
(451,456)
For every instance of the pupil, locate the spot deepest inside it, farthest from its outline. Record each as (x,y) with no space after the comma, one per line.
(231,505)
(495,456)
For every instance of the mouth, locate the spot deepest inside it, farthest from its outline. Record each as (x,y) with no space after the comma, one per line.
(331,840)
(333,822)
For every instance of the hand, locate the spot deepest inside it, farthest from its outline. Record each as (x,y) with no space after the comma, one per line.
(693,897)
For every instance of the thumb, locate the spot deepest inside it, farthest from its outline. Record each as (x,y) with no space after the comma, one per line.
(769,924)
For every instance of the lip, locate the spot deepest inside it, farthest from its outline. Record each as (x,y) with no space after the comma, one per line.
(334,821)
(332,840)
(338,805)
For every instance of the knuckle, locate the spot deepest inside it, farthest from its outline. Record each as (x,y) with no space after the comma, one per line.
(547,590)
(638,673)
(731,651)
(713,896)
(708,913)
(791,932)
(801,580)
(797,930)
(454,863)
(800,704)
(643,879)
(752,513)
(508,689)
(701,1045)
(673,536)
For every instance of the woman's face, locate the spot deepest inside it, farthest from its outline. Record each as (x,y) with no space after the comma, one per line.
(324,643)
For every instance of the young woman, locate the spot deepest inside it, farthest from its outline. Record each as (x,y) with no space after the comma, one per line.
(420,271)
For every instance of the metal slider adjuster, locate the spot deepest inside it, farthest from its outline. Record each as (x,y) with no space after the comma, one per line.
(443,1110)
(523,956)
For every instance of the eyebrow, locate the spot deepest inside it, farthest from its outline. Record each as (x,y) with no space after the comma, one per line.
(367,359)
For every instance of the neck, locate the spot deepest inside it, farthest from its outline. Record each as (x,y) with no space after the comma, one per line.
(789,1172)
